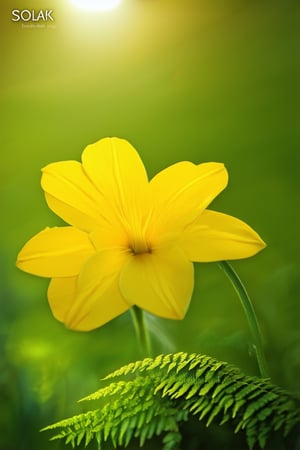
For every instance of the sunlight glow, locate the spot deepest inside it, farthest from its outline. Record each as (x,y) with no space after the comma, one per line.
(96,5)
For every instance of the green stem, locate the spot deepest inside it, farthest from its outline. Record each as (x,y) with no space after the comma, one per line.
(250,314)
(141,330)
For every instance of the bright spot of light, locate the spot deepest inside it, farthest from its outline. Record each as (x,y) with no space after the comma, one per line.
(96,5)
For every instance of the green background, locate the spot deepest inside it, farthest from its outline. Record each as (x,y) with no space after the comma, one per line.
(181,80)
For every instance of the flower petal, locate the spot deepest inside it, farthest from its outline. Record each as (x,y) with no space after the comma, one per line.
(216,237)
(98,298)
(182,191)
(117,171)
(55,252)
(72,196)
(104,238)
(61,296)
(160,282)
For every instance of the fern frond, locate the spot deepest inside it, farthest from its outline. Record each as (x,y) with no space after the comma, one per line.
(168,389)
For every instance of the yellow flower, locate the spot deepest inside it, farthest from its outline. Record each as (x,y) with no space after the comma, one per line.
(130,241)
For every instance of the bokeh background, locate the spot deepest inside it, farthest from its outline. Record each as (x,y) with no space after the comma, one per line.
(198,80)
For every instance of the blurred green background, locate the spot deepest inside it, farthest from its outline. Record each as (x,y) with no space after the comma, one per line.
(198,80)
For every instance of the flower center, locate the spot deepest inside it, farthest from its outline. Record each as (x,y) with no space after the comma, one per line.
(140,246)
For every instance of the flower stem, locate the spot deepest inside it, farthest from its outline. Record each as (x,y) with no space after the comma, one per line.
(250,314)
(141,330)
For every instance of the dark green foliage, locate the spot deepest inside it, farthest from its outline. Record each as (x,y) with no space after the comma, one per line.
(166,390)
